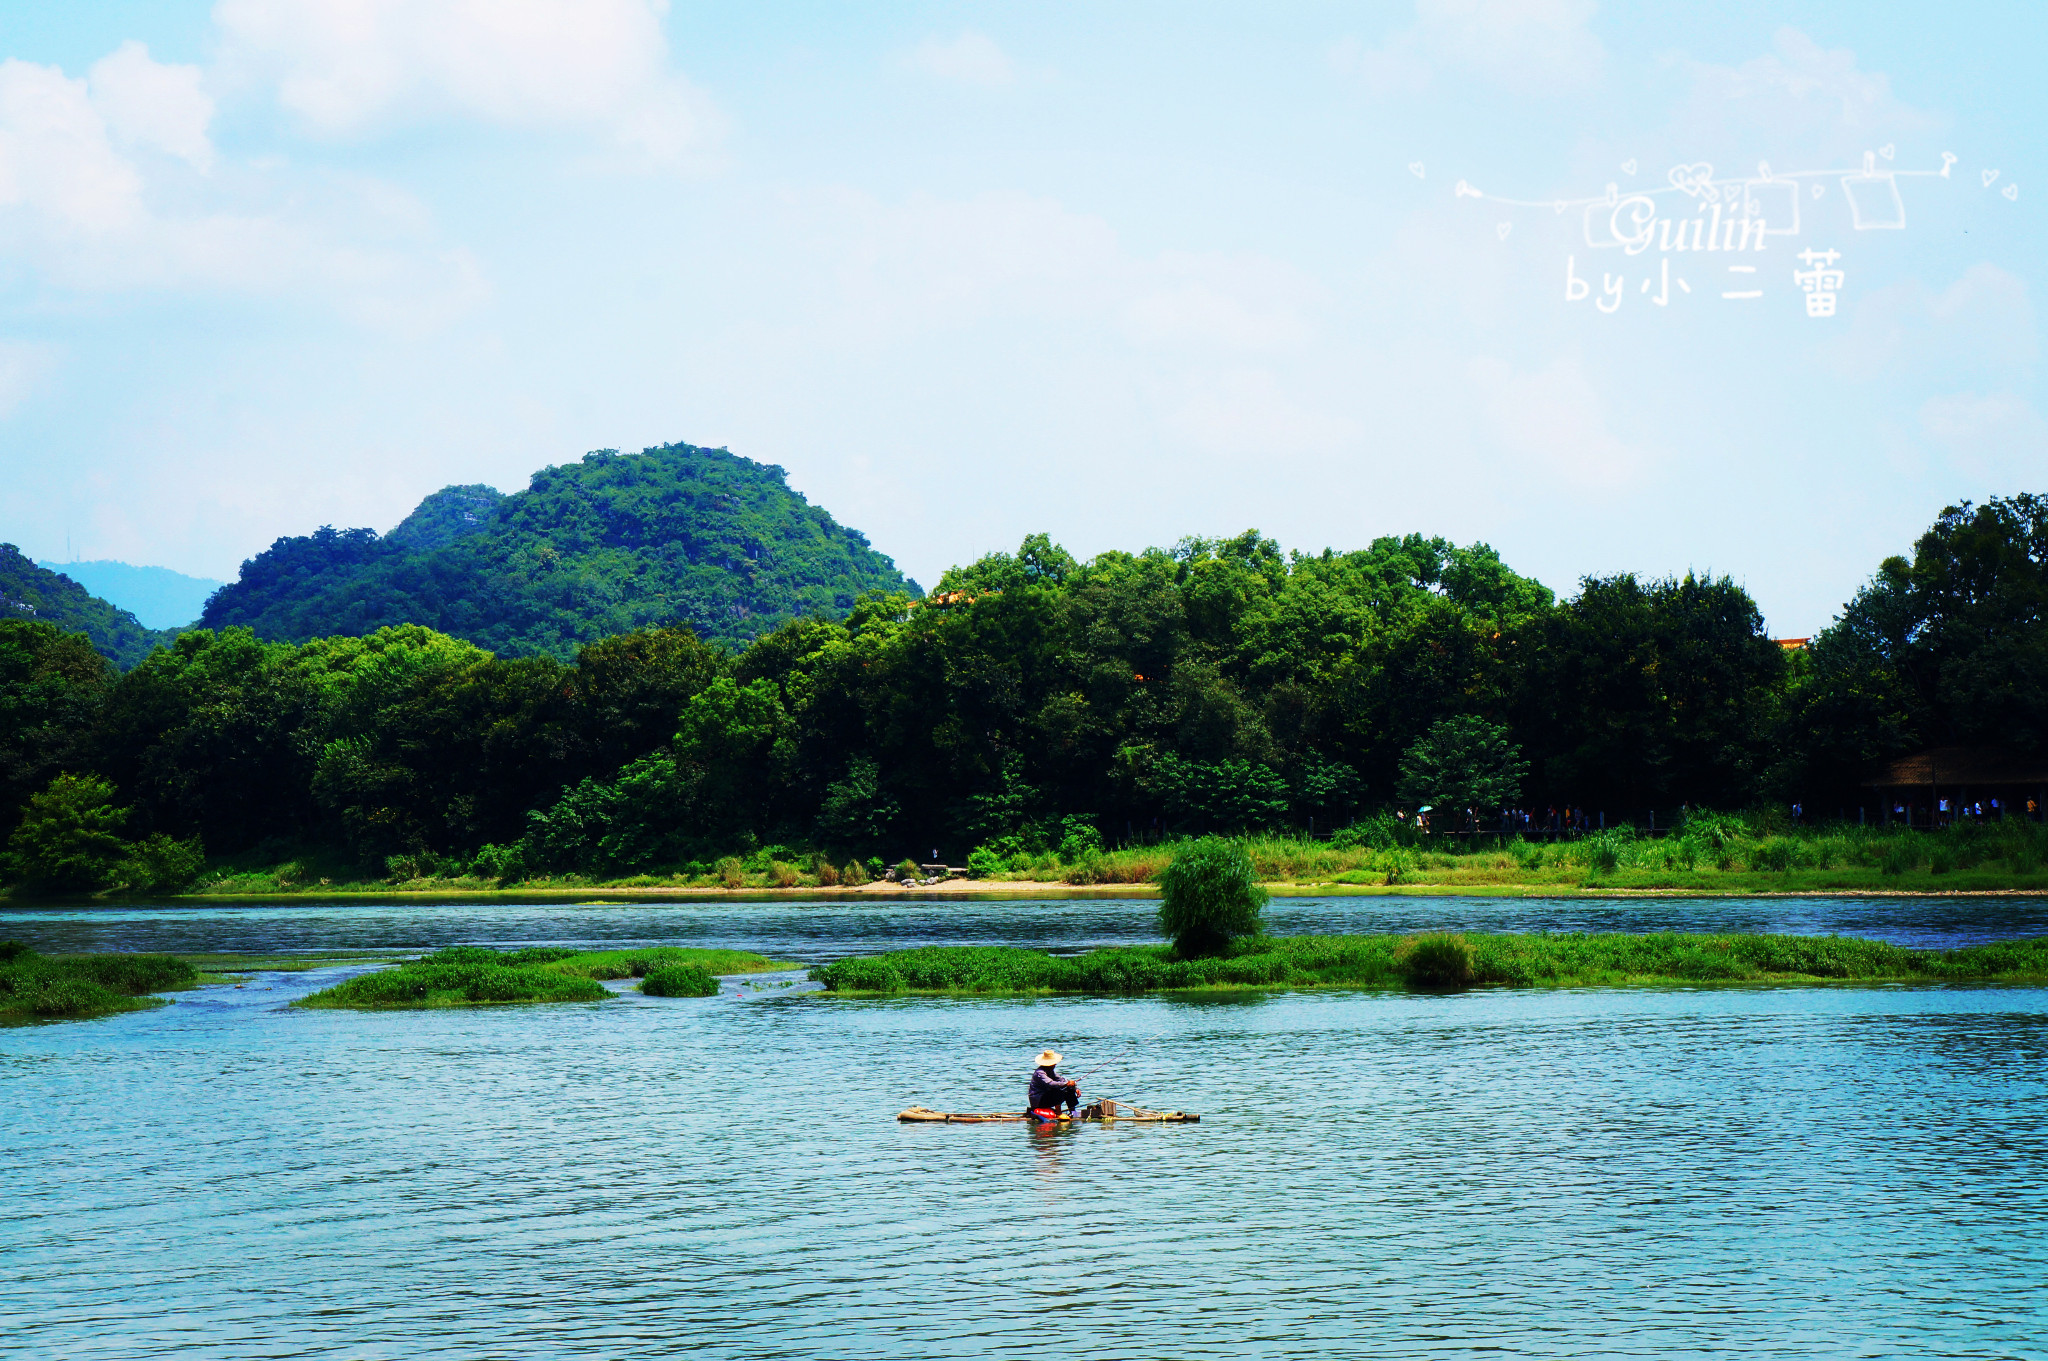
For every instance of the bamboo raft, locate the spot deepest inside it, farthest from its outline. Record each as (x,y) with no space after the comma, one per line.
(1104,1110)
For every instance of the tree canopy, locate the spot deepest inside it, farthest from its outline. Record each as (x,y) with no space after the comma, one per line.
(674,536)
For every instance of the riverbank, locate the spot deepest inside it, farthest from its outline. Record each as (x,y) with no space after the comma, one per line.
(1433,962)
(1734,884)
(468,975)
(1715,856)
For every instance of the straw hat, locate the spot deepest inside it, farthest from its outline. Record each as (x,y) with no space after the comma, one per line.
(1048,1059)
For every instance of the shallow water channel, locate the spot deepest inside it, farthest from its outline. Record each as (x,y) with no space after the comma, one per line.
(1780,1171)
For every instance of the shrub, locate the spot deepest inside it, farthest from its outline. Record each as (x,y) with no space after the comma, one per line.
(856,874)
(1942,859)
(983,863)
(66,838)
(827,872)
(1438,962)
(1604,850)
(1774,855)
(400,868)
(1089,869)
(679,980)
(1081,842)
(731,873)
(506,864)
(782,874)
(1900,856)
(907,870)
(163,864)
(1209,895)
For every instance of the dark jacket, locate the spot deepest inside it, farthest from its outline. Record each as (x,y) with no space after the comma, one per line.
(1049,1089)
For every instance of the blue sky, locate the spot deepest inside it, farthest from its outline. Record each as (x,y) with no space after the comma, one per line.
(1118,273)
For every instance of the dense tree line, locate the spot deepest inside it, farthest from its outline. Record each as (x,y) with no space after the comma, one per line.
(1032,699)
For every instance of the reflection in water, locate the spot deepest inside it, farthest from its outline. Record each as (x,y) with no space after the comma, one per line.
(1783,1171)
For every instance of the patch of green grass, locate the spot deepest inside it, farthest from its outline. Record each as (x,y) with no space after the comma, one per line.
(679,980)
(37,987)
(1436,961)
(472,975)
(464,976)
(639,963)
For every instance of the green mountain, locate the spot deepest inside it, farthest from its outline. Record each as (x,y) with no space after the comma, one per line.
(156,596)
(672,535)
(28,591)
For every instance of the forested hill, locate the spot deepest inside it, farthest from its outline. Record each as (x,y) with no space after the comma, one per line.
(28,591)
(672,535)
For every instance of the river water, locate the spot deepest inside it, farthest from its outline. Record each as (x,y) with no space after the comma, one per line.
(1775,1171)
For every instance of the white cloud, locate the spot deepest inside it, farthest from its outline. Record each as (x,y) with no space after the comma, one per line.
(1997,437)
(1247,303)
(970,59)
(1242,411)
(1983,323)
(56,161)
(1554,418)
(353,66)
(928,263)
(83,212)
(22,365)
(1799,98)
(1522,46)
(1799,70)
(146,103)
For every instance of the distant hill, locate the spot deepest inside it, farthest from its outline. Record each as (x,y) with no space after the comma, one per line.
(674,534)
(28,591)
(158,597)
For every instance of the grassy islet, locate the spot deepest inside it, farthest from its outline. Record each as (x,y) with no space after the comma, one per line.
(1435,961)
(472,975)
(36,987)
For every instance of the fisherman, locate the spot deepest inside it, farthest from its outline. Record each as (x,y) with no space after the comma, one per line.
(1050,1091)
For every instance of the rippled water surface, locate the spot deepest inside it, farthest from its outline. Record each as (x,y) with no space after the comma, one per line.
(1791,1171)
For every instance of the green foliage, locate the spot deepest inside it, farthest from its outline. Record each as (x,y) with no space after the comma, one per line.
(1209,896)
(29,592)
(449,514)
(1435,962)
(675,535)
(1462,762)
(1644,694)
(67,839)
(36,987)
(1230,795)
(856,811)
(1943,648)
(160,863)
(52,685)
(461,976)
(1440,963)
(1604,851)
(1776,855)
(1037,709)
(983,863)
(679,980)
